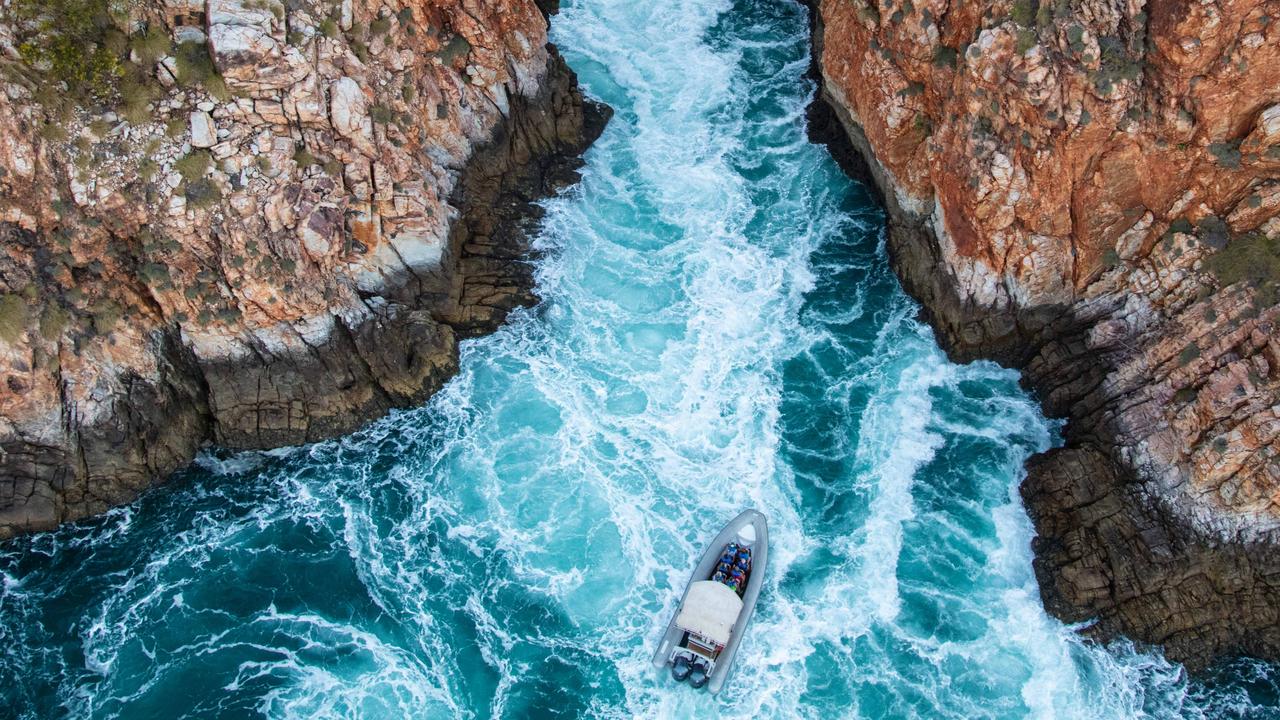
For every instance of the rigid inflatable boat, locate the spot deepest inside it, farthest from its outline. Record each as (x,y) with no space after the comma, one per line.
(703,636)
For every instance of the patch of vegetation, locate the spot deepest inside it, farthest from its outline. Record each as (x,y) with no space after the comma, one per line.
(13,317)
(1189,353)
(381,26)
(1214,231)
(195,67)
(194,165)
(1252,259)
(946,56)
(105,315)
(53,132)
(77,42)
(328,27)
(53,320)
(455,49)
(1025,41)
(1075,37)
(154,273)
(1227,154)
(382,114)
(303,158)
(1022,12)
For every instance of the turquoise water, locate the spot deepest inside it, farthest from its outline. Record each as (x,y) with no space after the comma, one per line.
(720,330)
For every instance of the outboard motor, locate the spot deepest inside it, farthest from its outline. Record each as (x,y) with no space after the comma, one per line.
(681,668)
(700,675)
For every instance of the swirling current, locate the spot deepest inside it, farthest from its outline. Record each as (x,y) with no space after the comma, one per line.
(720,329)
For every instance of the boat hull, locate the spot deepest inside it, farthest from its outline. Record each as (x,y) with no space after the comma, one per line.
(671,639)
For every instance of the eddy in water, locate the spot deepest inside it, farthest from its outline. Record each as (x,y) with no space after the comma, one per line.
(719,330)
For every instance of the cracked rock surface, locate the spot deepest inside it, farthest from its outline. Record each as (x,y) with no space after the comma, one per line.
(274,259)
(1088,190)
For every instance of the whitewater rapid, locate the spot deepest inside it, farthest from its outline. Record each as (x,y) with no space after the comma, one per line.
(719,330)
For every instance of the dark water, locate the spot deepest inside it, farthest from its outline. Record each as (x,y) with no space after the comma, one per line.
(720,330)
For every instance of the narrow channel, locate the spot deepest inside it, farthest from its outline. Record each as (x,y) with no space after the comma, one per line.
(720,329)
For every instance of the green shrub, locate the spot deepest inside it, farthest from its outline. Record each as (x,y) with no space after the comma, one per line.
(194,165)
(456,48)
(1075,37)
(13,317)
(328,27)
(53,320)
(105,315)
(1189,353)
(1253,259)
(1026,40)
(382,114)
(151,45)
(195,67)
(1214,231)
(945,56)
(1022,12)
(1227,153)
(202,193)
(53,132)
(303,158)
(381,26)
(78,43)
(154,273)
(135,100)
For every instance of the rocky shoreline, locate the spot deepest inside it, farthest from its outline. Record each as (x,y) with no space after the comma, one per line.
(1155,520)
(362,205)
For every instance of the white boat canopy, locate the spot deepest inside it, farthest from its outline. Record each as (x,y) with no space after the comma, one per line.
(710,610)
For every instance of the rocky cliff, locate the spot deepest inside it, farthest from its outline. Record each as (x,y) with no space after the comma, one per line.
(253,222)
(1088,190)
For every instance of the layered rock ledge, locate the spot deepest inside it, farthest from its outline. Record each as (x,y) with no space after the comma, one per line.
(263,224)
(1088,190)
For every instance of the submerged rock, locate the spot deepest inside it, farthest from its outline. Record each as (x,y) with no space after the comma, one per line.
(1085,191)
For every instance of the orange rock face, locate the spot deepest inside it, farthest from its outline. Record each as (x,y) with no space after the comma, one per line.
(1089,191)
(285,242)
